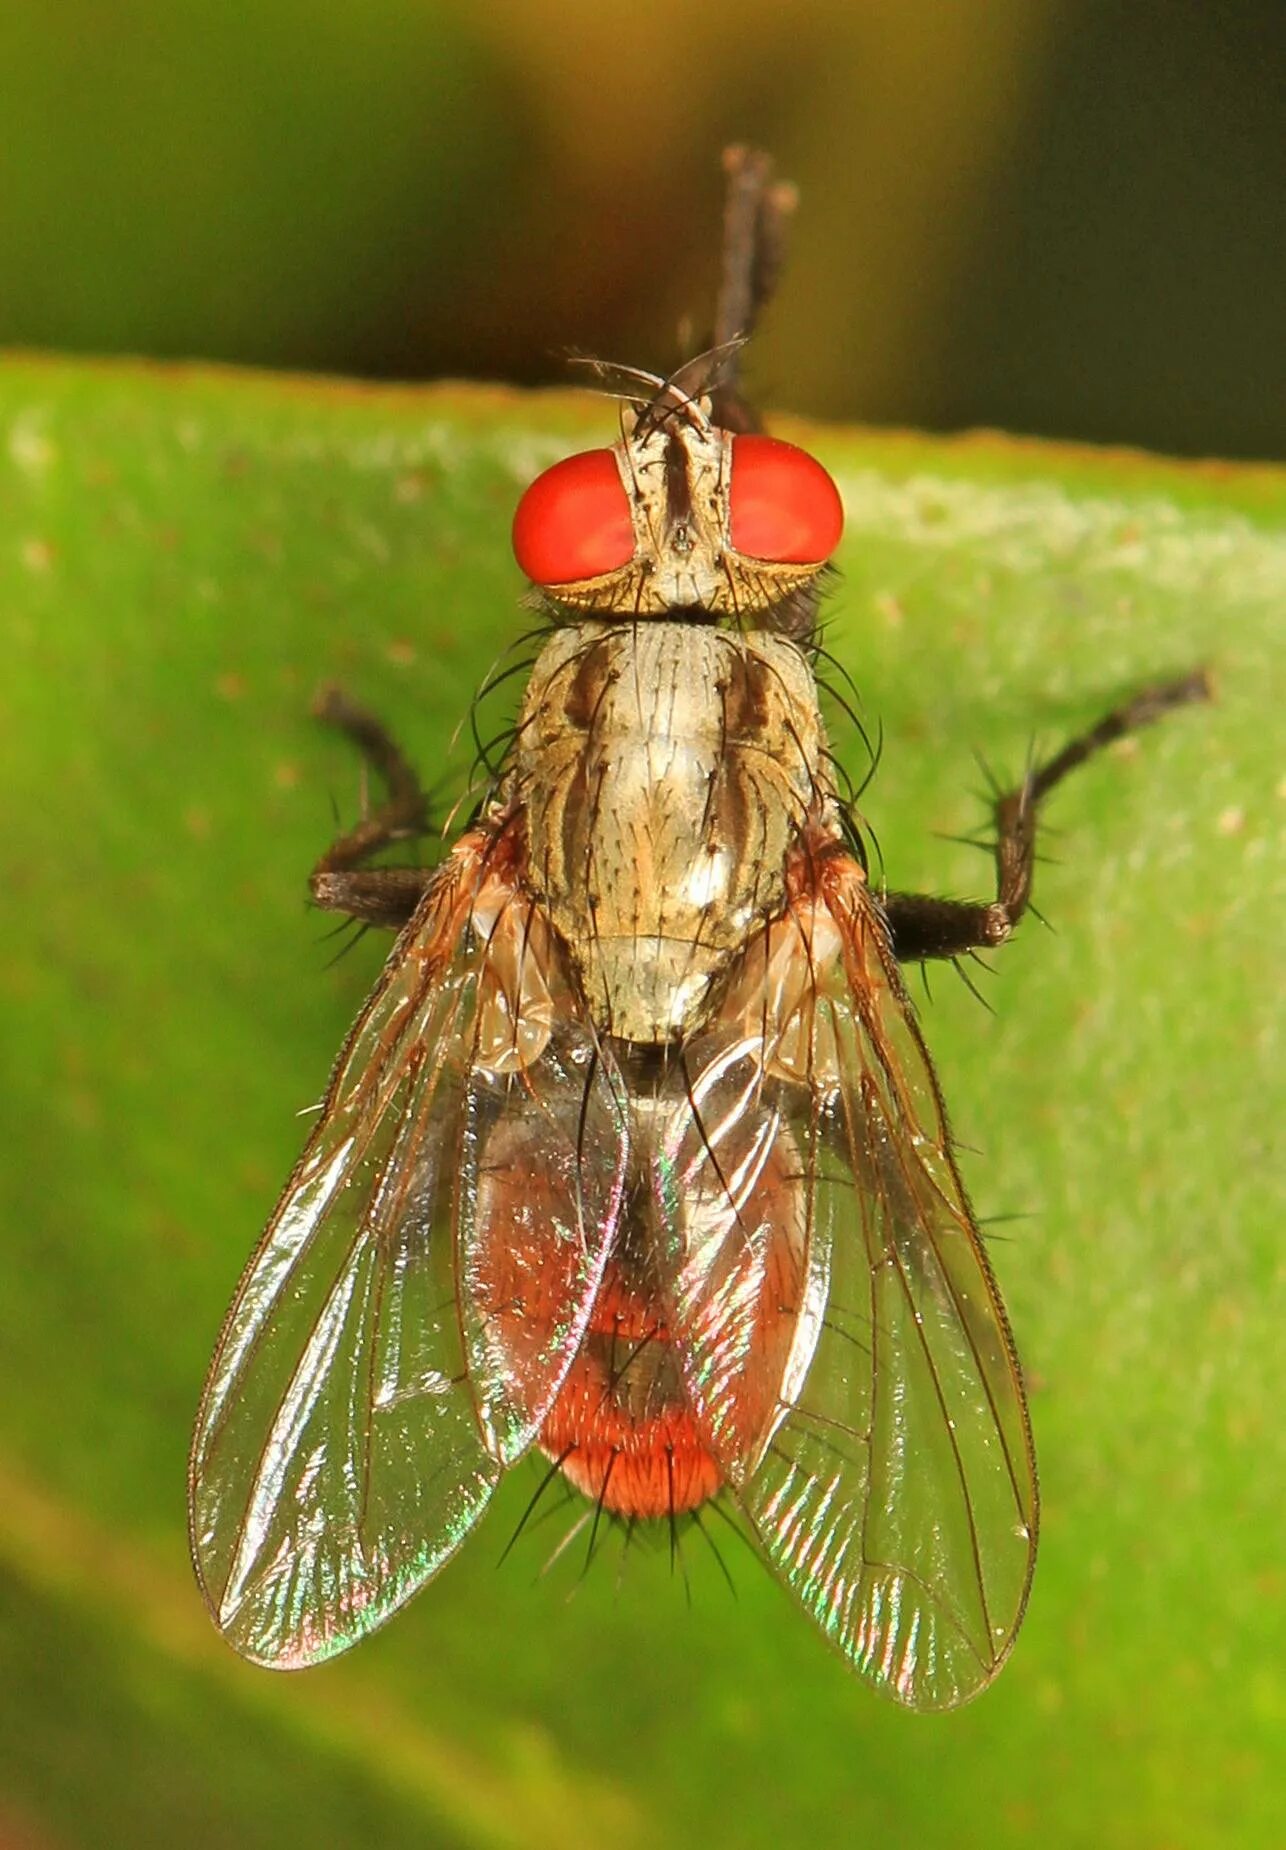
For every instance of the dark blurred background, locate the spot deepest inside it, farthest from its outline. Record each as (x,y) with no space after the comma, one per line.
(1056,216)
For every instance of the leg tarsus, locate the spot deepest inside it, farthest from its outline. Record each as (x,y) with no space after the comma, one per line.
(1145,709)
(384,896)
(404,813)
(756,215)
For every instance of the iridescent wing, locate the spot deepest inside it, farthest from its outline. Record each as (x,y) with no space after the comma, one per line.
(376,1371)
(883,1455)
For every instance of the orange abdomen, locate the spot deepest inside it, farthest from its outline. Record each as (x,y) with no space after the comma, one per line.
(621,1425)
(651,1419)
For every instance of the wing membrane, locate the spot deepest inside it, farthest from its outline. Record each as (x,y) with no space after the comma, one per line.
(354,1422)
(893,1486)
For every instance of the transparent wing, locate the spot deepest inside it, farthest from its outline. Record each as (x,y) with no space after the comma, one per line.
(810,1183)
(361,1405)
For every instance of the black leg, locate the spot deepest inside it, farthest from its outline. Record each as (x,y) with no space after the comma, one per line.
(384,896)
(377,895)
(754,246)
(925,927)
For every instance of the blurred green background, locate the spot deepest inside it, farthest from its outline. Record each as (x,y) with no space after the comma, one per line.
(1056,218)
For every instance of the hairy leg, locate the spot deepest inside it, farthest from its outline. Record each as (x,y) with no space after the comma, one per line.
(756,215)
(924,926)
(339,882)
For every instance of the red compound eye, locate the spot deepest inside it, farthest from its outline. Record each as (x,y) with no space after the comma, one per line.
(784,506)
(574,521)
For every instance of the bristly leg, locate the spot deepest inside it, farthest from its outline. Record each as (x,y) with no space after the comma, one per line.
(385,896)
(756,215)
(923,926)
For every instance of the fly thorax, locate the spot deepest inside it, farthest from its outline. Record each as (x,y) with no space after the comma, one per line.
(665,769)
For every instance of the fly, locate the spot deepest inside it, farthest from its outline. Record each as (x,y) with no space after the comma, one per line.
(635,1156)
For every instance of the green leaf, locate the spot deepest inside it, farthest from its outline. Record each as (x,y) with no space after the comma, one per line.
(184,555)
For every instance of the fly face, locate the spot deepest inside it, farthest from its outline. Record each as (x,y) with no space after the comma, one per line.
(635,1156)
(680,517)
